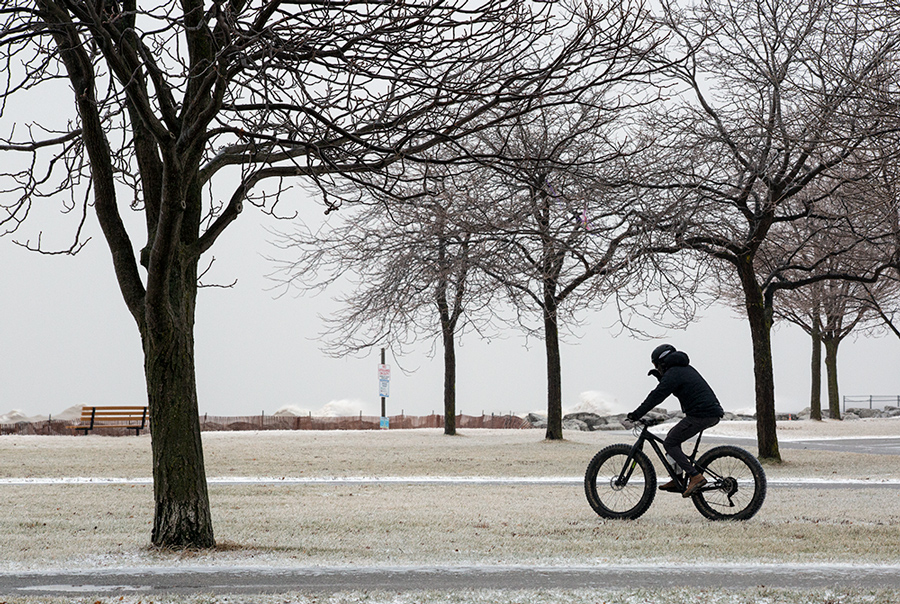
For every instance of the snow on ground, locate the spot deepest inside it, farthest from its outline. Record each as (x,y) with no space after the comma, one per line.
(103,525)
(812,430)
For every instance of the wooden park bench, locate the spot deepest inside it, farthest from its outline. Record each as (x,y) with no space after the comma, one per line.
(131,418)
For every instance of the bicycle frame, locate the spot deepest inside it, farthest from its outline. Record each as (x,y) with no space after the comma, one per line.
(656,443)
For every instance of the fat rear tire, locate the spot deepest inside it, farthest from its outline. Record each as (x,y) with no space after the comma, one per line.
(737,484)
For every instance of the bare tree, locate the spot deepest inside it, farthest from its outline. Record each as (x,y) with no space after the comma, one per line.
(775,109)
(187,111)
(563,232)
(410,265)
(458,238)
(829,311)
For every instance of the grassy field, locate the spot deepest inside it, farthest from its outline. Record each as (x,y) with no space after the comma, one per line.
(55,526)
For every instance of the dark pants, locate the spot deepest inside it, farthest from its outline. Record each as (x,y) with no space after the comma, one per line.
(680,432)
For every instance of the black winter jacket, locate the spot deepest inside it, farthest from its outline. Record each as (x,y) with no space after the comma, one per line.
(679,378)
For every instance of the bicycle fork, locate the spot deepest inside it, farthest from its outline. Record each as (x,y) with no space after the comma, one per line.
(630,463)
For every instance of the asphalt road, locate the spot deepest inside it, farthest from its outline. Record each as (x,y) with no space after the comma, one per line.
(251,580)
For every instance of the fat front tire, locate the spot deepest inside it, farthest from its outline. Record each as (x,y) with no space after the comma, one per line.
(737,484)
(607,495)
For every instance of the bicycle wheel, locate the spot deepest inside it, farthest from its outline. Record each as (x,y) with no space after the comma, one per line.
(613,500)
(737,484)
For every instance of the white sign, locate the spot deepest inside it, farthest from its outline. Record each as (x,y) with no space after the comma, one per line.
(384,380)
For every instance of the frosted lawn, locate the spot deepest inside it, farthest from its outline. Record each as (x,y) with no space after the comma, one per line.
(519,453)
(397,523)
(66,526)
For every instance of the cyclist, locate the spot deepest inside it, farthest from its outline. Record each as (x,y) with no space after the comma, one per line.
(698,402)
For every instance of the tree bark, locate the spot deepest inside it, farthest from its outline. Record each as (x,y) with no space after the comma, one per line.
(834,401)
(182,515)
(554,372)
(760,333)
(815,396)
(449,377)
(448,333)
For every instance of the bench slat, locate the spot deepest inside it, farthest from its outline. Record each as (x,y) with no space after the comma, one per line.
(122,416)
(113,414)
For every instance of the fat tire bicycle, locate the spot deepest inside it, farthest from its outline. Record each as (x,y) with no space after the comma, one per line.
(620,481)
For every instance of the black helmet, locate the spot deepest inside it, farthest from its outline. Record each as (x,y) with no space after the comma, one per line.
(660,352)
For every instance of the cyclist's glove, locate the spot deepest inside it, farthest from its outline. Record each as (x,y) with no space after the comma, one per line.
(632,417)
(655,373)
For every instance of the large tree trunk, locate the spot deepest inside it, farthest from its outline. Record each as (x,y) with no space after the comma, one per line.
(182,515)
(763,372)
(554,373)
(834,400)
(815,395)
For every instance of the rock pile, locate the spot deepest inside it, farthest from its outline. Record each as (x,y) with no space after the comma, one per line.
(589,422)
(857,413)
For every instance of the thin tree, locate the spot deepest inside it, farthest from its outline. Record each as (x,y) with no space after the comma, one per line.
(188,111)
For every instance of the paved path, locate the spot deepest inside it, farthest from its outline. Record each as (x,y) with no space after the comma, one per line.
(264,580)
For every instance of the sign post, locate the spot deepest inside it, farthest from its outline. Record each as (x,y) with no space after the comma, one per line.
(384,390)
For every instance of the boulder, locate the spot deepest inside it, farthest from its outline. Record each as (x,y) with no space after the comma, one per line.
(591,420)
(864,413)
(575,424)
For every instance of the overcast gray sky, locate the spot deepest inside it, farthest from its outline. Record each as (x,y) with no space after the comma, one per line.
(67,339)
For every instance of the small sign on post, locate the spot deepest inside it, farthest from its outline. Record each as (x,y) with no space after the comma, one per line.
(384,380)
(384,390)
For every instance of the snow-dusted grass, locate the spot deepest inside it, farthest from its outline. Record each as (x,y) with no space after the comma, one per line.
(521,453)
(62,526)
(66,526)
